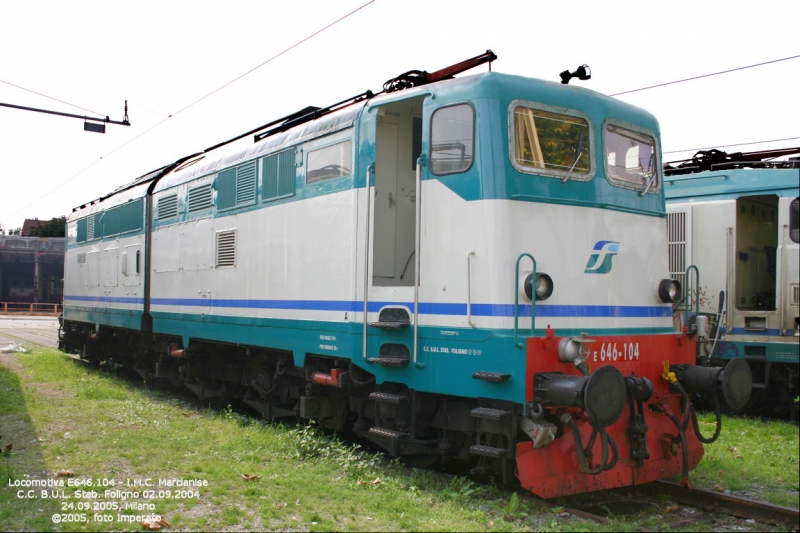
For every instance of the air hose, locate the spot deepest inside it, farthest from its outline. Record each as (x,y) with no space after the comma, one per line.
(684,447)
(606,443)
(690,413)
(718,415)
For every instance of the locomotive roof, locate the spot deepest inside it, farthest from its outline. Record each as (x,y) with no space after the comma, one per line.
(504,87)
(727,184)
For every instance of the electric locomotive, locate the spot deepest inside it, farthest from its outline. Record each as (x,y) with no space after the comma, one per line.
(737,218)
(466,268)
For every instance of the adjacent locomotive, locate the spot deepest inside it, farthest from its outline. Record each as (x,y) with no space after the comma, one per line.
(737,217)
(462,268)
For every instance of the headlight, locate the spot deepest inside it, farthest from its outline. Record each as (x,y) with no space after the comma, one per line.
(669,290)
(543,286)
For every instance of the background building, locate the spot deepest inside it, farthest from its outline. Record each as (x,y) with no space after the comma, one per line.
(31,269)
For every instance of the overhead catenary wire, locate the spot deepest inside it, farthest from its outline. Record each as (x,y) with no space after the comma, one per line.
(706,75)
(279,54)
(151,128)
(51,98)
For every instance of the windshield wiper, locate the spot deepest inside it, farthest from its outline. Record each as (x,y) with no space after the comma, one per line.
(577,158)
(650,181)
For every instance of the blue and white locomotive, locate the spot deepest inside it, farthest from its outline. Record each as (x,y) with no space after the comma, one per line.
(461,268)
(737,218)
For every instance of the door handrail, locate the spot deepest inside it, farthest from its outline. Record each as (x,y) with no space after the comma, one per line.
(687,293)
(370,170)
(417,238)
(516,300)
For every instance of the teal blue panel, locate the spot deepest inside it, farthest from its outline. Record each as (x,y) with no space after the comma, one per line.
(270,187)
(286,181)
(226,189)
(81,237)
(120,318)
(124,218)
(279,175)
(246,183)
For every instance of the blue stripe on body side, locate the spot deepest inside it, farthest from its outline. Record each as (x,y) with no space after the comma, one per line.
(105,299)
(425,308)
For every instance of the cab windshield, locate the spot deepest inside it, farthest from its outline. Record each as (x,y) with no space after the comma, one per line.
(631,158)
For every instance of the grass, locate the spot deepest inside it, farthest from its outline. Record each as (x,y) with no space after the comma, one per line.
(61,415)
(753,457)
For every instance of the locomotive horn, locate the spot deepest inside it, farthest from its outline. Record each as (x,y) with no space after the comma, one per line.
(733,382)
(583,72)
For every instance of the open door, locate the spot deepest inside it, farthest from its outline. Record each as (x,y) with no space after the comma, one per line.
(393,239)
(756,246)
(398,145)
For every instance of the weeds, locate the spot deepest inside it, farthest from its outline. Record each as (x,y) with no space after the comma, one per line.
(462,488)
(309,442)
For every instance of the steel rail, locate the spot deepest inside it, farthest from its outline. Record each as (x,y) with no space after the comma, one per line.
(742,507)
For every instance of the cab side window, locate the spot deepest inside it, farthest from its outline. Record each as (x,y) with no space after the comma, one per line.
(452,139)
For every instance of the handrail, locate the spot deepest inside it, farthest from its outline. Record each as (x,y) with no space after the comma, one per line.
(686,293)
(30,308)
(469,289)
(681,178)
(516,300)
(370,170)
(780,275)
(417,238)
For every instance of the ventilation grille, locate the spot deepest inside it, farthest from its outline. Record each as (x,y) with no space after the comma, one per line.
(246,183)
(90,227)
(226,248)
(168,207)
(279,175)
(82,257)
(676,230)
(795,294)
(200,198)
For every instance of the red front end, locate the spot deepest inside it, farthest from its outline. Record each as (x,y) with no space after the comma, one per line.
(554,469)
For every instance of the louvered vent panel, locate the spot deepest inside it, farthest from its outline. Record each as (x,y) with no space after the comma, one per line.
(226,248)
(270,169)
(676,227)
(90,227)
(279,175)
(168,206)
(286,173)
(246,183)
(200,198)
(795,294)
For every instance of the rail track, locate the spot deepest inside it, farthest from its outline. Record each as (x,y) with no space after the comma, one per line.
(710,503)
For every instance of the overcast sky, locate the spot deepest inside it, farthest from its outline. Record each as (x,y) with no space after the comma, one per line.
(163,56)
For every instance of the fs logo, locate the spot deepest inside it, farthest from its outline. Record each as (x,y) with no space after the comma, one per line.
(600,260)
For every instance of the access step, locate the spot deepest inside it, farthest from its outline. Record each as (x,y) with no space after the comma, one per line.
(389,325)
(388,434)
(491,376)
(389,361)
(392,318)
(386,397)
(488,413)
(487,451)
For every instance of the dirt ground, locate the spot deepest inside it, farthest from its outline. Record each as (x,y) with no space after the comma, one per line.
(32,329)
